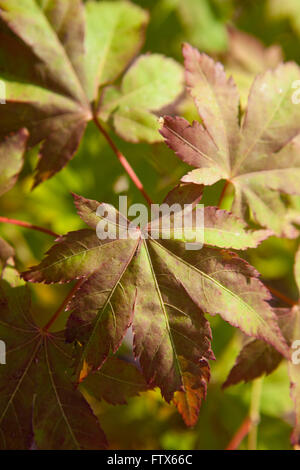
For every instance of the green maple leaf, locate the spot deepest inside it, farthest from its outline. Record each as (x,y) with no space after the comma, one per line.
(201,25)
(55,57)
(160,289)
(260,157)
(145,89)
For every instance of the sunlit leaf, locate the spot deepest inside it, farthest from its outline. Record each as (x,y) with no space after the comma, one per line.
(260,158)
(151,83)
(159,288)
(55,56)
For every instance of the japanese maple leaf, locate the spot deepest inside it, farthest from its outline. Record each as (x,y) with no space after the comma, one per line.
(257,358)
(52,69)
(39,402)
(162,290)
(55,57)
(38,399)
(261,156)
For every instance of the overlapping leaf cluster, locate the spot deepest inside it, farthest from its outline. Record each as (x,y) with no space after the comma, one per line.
(62,63)
(257,358)
(57,57)
(257,153)
(162,290)
(39,403)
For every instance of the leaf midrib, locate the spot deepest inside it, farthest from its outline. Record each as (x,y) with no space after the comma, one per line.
(214,281)
(103,308)
(10,401)
(60,405)
(256,140)
(68,60)
(221,118)
(164,311)
(192,146)
(49,266)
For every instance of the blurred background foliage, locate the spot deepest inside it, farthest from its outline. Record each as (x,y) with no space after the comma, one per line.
(147,422)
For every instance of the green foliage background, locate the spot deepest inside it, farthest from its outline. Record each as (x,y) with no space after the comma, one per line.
(148,422)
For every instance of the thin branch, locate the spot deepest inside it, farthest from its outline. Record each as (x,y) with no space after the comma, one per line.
(254,412)
(124,162)
(28,225)
(240,434)
(64,304)
(250,424)
(281,296)
(227,183)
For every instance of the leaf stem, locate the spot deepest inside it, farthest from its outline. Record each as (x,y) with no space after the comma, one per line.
(64,304)
(124,162)
(28,225)
(240,434)
(281,296)
(250,424)
(223,193)
(254,412)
